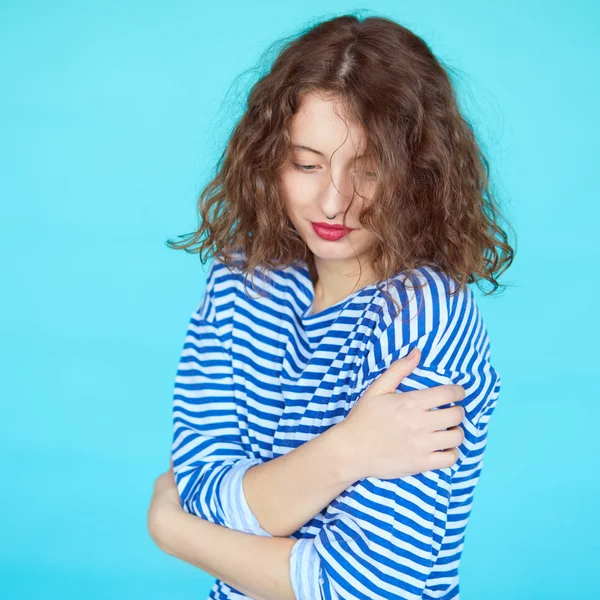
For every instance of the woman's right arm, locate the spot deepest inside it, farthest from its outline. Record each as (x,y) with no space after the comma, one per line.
(286,492)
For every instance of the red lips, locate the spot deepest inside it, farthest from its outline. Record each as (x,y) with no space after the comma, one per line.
(330,226)
(331,233)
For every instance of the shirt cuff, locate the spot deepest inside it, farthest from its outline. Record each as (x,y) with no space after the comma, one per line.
(305,570)
(235,505)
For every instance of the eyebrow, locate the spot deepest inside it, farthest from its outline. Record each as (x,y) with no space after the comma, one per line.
(301,147)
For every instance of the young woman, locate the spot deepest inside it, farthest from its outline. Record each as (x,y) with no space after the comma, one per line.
(309,439)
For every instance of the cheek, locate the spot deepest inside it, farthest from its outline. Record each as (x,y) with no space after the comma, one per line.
(297,191)
(286,188)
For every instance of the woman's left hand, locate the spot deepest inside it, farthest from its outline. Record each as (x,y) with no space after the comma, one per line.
(165,499)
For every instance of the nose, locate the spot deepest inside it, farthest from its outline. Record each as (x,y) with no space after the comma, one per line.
(337,194)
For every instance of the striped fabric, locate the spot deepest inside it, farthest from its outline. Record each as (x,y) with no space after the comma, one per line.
(259,376)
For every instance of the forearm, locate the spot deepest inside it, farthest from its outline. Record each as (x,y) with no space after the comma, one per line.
(286,492)
(257,566)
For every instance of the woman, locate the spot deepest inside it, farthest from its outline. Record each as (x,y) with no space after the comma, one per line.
(355,195)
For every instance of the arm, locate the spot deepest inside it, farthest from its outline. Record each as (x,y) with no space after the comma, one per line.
(309,477)
(286,492)
(253,565)
(207,451)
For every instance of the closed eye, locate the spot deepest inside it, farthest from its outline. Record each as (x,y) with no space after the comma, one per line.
(311,168)
(305,168)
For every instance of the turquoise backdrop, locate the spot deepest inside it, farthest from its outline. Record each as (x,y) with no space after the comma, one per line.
(112,115)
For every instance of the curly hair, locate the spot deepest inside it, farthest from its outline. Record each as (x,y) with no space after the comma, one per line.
(432,202)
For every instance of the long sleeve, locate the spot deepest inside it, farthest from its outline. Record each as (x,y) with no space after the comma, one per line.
(380,538)
(209,460)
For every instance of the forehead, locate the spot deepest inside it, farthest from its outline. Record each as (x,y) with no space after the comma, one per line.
(322,124)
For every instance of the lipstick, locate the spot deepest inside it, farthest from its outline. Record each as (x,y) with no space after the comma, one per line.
(330,233)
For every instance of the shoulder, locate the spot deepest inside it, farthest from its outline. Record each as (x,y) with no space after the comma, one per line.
(262,293)
(221,278)
(273,283)
(457,348)
(221,283)
(426,309)
(413,309)
(447,326)
(420,303)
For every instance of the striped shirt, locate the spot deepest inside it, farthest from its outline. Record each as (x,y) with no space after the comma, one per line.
(259,376)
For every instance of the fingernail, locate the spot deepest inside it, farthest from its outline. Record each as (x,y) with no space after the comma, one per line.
(412,353)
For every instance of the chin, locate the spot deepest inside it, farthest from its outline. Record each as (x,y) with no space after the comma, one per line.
(328,250)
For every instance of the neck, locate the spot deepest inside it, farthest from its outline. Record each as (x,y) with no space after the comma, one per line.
(334,280)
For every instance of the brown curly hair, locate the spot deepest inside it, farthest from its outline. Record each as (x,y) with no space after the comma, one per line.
(432,203)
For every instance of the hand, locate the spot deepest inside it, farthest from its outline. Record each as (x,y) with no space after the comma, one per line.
(165,498)
(395,434)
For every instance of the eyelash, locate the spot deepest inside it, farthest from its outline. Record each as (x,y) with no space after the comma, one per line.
(306,169)
(303,167)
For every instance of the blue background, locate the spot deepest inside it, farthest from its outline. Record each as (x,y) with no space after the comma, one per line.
(112,117)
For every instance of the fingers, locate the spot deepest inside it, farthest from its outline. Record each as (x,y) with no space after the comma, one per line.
(444,419)
(442,459)
(446,439)
(391,378)
(440,395)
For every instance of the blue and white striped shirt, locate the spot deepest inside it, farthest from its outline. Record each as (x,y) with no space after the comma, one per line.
(259,376)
